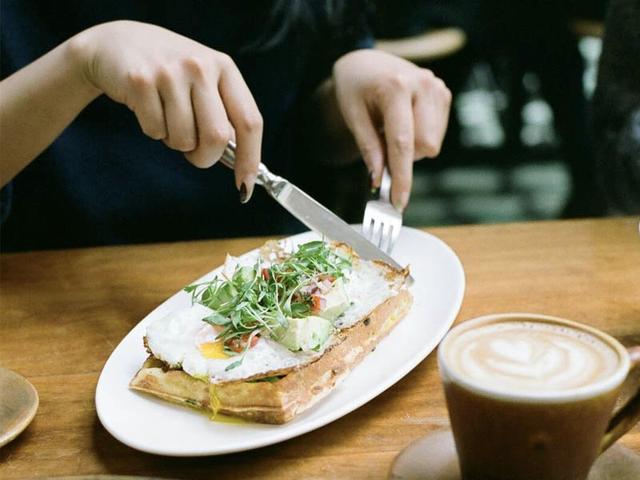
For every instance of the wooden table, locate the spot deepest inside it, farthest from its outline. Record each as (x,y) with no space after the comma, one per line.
(63,312)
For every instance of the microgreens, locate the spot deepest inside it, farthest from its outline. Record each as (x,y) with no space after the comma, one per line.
(259,299)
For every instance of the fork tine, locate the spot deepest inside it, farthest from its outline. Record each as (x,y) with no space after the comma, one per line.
(376,231)
(367,223)
(380,239)
(384,237)
(381,223)
(388,237)
(396,235)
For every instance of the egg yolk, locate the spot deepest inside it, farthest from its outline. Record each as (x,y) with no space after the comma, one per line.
(213,350)
(215,404)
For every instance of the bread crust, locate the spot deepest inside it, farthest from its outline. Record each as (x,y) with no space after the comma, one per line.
(277,402)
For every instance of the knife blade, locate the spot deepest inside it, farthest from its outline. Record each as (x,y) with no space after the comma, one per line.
(311,212)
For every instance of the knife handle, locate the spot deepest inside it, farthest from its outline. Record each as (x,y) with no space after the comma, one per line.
(228,158)
(264,177)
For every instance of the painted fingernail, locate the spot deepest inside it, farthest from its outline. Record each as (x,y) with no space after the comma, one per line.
(402,202)
(245,193)
(375,182)
(374,189)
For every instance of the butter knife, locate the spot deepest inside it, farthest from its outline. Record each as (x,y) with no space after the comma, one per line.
(310,212)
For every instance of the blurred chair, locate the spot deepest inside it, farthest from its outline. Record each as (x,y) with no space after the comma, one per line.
(425,47)
(542,38)
(586,27)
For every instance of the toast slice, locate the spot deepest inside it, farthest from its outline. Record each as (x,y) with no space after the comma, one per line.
(278,398)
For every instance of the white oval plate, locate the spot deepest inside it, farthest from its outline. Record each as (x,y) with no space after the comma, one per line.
(152,425)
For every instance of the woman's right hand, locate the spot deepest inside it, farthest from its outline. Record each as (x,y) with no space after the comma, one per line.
(189,96)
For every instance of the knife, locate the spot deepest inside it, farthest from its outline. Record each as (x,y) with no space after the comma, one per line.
(311,212)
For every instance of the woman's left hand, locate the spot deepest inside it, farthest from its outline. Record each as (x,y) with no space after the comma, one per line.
(396,111)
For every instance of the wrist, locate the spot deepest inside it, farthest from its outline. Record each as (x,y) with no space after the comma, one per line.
(78,54)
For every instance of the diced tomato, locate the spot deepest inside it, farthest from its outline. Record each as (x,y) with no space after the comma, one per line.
(234,344)
(265,273)
(239,344)
(317,303)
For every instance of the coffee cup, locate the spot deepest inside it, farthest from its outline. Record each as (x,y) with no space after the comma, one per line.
(532,397)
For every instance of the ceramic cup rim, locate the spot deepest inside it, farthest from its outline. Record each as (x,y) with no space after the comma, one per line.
(592,390)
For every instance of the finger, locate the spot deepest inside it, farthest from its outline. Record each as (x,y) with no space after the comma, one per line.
(431,113)
(212,126)
(175,92)
(371,147)
(399,130)
(147,106)
(247,122)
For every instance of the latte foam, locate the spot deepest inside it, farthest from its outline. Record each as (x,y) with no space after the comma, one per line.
(530,357)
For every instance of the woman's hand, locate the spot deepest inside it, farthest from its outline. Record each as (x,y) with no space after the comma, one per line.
(396,111)
(189,96)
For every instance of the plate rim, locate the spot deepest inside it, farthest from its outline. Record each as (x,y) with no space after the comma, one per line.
(312,424)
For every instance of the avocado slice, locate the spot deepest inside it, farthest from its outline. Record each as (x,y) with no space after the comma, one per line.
(336,301)
(308,333)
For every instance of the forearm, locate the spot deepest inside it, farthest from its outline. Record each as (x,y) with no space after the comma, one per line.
(37,103)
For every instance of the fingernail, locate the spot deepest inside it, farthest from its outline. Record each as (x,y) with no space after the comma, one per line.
(375,183)
(245,193)
(374,189)
(402,202)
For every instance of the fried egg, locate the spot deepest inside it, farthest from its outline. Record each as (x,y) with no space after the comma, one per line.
(182,340)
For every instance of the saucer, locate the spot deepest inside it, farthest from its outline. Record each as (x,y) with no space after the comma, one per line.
(18,404)
(434,457)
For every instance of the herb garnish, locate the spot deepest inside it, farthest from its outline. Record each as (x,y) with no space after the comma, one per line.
(258,300)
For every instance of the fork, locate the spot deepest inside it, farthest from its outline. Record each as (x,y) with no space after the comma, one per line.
(382,222)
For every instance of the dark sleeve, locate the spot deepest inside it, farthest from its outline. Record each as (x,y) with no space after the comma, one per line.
(354,30)
(617,110)
(405,18)
(5,202)
(336,31)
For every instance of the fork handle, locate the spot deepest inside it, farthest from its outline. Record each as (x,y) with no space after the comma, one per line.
(385,186)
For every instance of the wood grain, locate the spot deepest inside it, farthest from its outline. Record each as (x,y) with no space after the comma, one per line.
(63,312)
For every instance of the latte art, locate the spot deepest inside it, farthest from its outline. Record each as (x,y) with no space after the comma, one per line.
(530,357)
